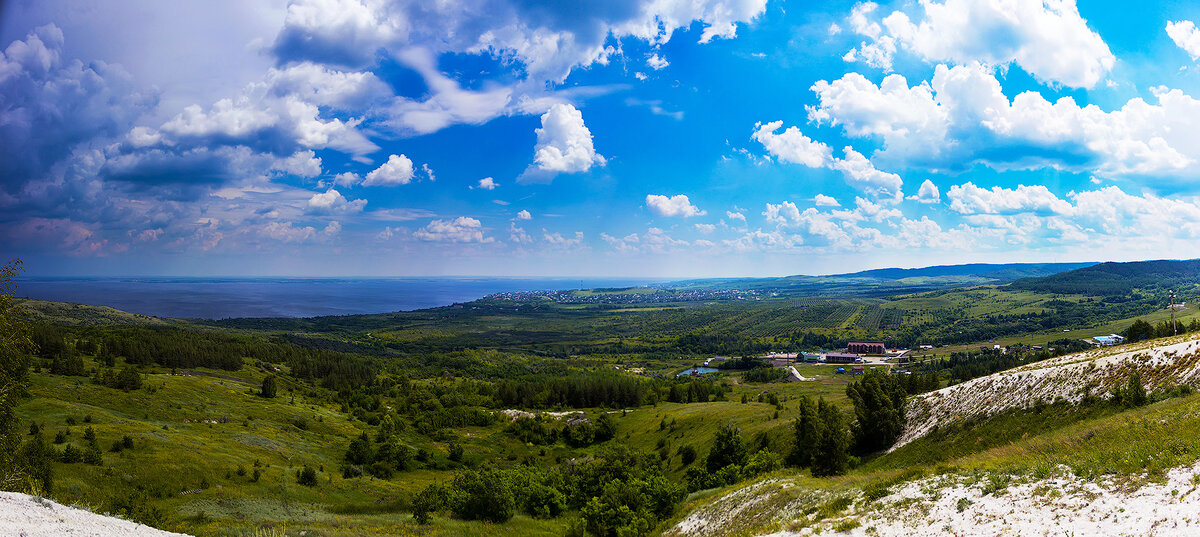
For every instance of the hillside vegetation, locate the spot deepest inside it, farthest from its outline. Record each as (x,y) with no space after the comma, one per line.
(564,414)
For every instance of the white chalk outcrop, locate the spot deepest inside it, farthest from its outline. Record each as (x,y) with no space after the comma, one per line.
(1068,378)
(28,516)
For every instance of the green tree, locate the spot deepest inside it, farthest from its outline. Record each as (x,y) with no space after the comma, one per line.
(1138,331)
(728,448)
(830,457)
(879,402)
(15,348)
(482,495)
(36,460)
(807,434)
(307,476)
(268,387)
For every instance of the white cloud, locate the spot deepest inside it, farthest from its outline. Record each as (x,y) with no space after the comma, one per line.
(791,145)
(783,213)
(825,201)
(461,229)
(970,199)
(963,117)
(735,216)
(398,170)
(862,174)
(1048,39)
(428,172)
(347,179)
(487,183)
(928,193)
(286,232)
(677,205)
(706,228)
(654,240)
(657,62)
(332,229)
(1185,34)
(524,215)
(518,234)
(564,143)
(557,240)
(332,201)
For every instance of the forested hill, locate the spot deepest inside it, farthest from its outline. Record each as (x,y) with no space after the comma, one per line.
(1006,271)
(1120,279)
(887,281)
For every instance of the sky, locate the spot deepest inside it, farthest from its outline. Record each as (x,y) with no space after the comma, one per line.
(643,138)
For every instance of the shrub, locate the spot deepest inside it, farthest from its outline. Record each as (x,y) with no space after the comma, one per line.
(306,477)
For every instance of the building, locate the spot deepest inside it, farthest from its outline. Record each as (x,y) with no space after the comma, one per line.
(1111,339)
(857,370)
(866,347)
(810,358)
(841,358)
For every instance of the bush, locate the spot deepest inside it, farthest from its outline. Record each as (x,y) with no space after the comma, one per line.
(306,477)
(482,495)
(728,448)
(268,387)
(687,454)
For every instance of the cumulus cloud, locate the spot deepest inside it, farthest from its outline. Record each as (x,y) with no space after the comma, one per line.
(398,170)
(706,228)
(461,229)
(821,200)
(557,240)
(791,145)
(564,145)
(862,174)
(1185,34)
(524,215)
(518,234)
(970,199)
(657,62)
(677,205)
(928,193)
(1049,40)
(654,240)
(962,117)
(286,232)
(52,107)
(332,201)
(487,183)
(548,41)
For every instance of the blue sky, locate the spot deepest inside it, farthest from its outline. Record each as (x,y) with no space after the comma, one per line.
(655,138)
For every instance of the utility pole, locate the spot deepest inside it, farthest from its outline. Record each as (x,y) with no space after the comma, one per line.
(1174,330)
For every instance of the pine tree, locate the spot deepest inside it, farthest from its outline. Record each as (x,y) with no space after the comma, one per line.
(728,448)
(830,457)
(268,387)
(808,432)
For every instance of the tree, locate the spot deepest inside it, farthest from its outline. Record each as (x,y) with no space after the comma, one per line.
(35,459)
(807,434)
(482,495)
(830,457)
(728,448)
(268,387)
(1138,331)
(879,402)
(16,346)
(307,476)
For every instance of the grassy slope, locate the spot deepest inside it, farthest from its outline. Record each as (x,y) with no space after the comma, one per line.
(1099,441)
(192,432)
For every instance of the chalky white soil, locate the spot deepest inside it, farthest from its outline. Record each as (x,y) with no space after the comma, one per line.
(22,515)
(1065,506)
(1068,378)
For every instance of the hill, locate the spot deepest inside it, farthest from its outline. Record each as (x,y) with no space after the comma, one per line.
(884,282)
(1120,279)
(1052,448)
